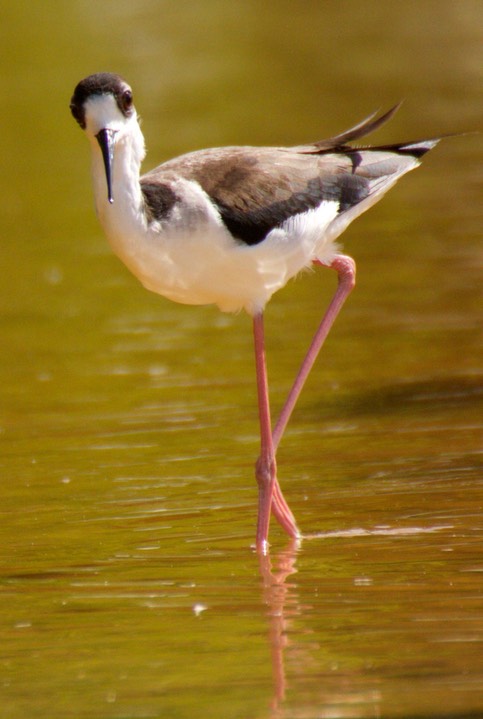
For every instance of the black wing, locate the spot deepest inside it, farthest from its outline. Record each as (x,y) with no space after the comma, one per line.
(257,189)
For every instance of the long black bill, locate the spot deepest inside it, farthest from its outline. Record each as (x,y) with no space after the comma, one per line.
(105,138)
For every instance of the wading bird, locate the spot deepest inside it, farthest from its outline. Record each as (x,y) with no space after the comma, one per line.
(230,226)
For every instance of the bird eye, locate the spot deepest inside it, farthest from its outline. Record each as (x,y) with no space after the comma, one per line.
(126,99)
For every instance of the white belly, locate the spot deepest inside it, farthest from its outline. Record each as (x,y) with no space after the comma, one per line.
(194,260)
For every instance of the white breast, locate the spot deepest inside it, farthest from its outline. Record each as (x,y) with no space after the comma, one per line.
(191,258)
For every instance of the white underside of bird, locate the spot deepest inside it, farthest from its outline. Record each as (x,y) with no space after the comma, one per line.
(190,257)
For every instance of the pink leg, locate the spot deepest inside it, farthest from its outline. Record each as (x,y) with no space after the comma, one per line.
(283,513)
(266,467)
(270,495)
(346,270)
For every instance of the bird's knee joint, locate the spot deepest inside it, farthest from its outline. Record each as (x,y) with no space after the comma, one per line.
(345,267)
(265,471)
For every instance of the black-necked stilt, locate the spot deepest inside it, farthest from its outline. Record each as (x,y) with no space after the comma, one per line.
(230,226)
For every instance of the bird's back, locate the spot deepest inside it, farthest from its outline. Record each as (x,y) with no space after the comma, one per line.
(257,189)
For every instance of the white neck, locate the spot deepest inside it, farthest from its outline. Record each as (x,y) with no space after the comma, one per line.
(103,113)
(124,218)
(128,154)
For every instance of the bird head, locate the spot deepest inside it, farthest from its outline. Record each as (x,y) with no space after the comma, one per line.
(102,104)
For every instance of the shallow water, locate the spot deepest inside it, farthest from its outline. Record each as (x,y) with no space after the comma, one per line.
(128,426)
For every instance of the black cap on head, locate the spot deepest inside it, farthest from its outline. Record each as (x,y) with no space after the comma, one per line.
(101,83)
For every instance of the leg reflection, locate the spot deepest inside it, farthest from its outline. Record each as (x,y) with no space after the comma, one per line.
(279,595)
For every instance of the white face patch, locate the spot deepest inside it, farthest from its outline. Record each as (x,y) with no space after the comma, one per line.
(102,112)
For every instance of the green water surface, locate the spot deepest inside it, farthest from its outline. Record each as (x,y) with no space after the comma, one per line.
(128,424)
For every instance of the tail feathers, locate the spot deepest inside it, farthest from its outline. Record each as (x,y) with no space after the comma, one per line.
(416,149)
(338,143)
(363,128)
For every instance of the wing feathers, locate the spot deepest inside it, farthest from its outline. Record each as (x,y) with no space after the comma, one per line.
(256,189)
